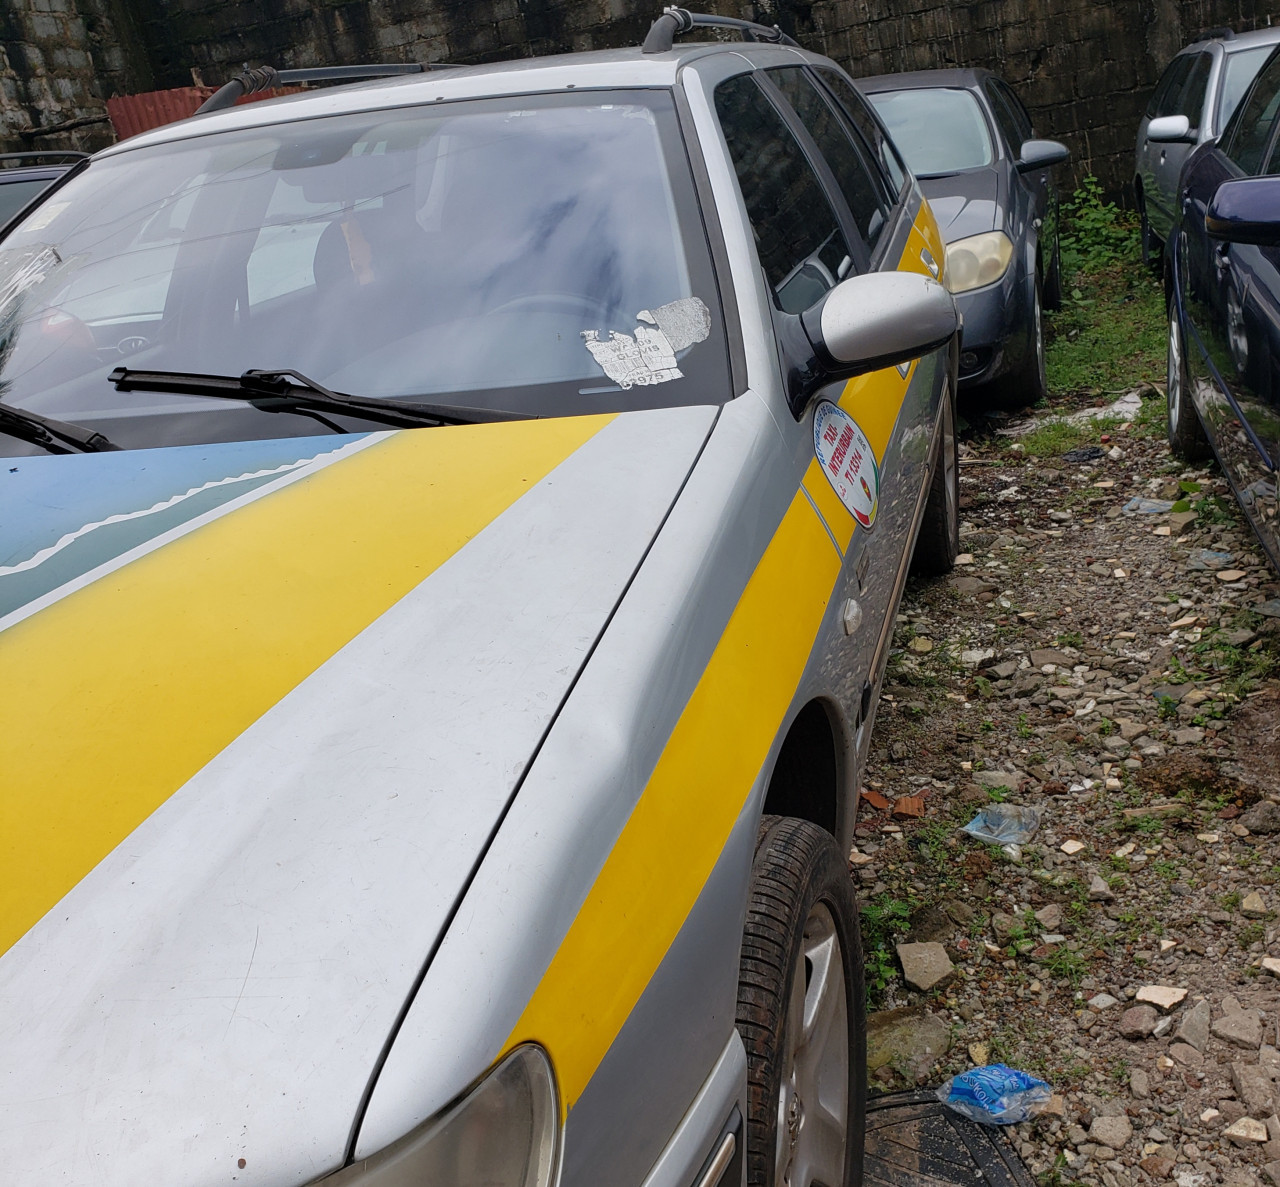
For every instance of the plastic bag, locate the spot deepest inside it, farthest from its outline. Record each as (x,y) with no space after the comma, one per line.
(995,1094)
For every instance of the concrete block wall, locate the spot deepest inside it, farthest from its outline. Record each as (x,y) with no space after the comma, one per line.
(1084,69)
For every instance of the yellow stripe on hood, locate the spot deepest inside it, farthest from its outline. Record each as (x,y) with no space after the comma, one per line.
(116,695)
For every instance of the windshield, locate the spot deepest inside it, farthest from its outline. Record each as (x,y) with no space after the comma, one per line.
(14,195)
(938,130)
(536,255)
(1240,70)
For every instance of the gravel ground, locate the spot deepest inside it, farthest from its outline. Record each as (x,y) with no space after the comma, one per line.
(1115,669)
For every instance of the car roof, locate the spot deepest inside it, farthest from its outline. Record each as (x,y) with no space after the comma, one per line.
(598,70)
(968,78)
(1237,41)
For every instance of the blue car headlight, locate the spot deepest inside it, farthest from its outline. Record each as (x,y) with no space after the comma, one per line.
(503,1133)
(978,260)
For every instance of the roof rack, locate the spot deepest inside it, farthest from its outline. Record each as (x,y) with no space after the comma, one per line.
(674,20)
(1221,31)
(251,80)
(62,154)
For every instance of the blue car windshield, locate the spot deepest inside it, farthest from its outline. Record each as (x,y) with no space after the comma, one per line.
(938,129)
(540,255)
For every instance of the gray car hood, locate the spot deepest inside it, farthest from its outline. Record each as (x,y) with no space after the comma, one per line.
(966,203)
(220,983)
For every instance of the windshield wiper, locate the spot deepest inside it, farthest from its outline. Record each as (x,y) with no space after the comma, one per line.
(57,436)
(285,391)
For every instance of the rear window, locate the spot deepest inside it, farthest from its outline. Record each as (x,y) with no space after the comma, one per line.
(938,130)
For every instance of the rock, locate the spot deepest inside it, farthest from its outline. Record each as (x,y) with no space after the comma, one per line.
(1246,1131)
(1272,1171)
(929,925)
(1186,1055)
(1003,671)
(1253,1087)
(1231,574)
(1103,1001)
(980,1054)
(1072,847)
(1137,1022)
(959,912)
(921,645)
(924,965)
(971,585)
(1194,1027)
(1163,1027)
(1263,817)
(1002,926)
(1253,907)
(1271,965)
(1050,917)
(909,1039)
(1191,735)
(1099,891)
(1115,1132)
(1241,1029)
(1158,1166)
(1008,780)
(1047,657)
(1140,1084)
(1163,997)
(1181,521)
(1055,1106)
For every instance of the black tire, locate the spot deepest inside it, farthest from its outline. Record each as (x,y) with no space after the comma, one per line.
(1029,385)
(802,917)
(1187,437)
(938,543)
(1152,247)
(1053,279)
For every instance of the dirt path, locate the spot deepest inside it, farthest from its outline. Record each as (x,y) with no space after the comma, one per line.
(1112,667)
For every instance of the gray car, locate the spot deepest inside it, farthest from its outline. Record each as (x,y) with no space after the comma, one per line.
(1191,104)
(970,142)
(453,530)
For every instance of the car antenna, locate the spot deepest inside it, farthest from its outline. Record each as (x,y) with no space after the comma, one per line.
(674,20)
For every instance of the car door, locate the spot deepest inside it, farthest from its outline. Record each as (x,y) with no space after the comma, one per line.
(890,413)
(1230,295)
(1185,96)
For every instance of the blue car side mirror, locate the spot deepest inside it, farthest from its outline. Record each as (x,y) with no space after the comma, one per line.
(1245,211)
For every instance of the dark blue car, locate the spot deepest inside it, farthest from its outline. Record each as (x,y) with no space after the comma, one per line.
(1224,306)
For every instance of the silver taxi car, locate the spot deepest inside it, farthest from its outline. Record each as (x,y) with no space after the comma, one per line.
(451,533)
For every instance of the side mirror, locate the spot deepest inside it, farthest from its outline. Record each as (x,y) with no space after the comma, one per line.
(1245,211)
(1041,154)
(1169,129)
(879,320)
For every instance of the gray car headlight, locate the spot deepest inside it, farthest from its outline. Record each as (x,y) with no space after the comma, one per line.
(503,1133)
(978,260)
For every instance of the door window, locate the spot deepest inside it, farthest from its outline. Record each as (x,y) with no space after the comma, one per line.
(1013,129)
(1238,72)
(1190,100)
(863,188)
(1247,138)
(1169,87)
(855,107)
(801,246)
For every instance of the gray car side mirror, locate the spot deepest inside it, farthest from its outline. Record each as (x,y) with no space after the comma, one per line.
(879,320)
(1169,129)
(1041,154)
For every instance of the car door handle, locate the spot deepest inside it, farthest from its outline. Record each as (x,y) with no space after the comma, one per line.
(1220,257)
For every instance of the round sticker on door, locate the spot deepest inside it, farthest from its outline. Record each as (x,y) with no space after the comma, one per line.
(847,459)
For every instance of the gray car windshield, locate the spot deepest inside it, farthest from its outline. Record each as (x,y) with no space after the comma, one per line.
(1240,69)
(939,130)
(542,255)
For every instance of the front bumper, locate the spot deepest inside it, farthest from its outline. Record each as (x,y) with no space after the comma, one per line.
(998,329)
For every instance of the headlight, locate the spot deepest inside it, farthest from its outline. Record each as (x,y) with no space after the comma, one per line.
(977,260)
(503,1133)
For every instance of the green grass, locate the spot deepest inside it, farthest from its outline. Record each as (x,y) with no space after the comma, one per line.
(1055,437)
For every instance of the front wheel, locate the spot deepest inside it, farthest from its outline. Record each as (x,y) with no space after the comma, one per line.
(938,543)
(801,1012)
(1187,438)
(1029,384)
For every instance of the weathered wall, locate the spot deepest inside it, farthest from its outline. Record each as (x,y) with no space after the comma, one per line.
(1084,69)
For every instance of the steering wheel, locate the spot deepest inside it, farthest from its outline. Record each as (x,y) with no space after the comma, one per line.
(593,311)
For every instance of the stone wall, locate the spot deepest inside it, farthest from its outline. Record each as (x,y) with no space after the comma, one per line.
(1084,69)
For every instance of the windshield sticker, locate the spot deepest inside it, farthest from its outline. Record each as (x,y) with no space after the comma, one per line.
(650,356)
(847,459)
(31,271)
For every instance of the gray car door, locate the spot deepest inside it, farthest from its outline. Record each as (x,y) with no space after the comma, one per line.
(1184,97)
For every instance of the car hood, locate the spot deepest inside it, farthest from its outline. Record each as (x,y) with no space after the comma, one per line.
(265,705)
(966,203)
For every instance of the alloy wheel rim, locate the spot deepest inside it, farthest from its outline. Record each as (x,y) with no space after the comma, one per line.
(1174,380)
(1038,319)
(813,1101)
